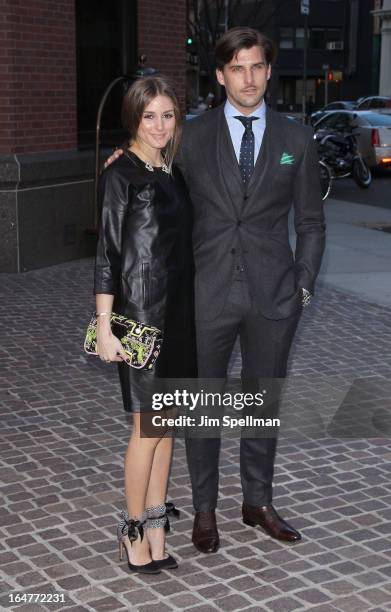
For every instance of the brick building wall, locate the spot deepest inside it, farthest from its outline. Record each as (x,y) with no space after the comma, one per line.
(47,198)
(38,67)
(162,37)
(38,75)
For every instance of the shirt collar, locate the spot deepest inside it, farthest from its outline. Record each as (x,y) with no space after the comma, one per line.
(231,111)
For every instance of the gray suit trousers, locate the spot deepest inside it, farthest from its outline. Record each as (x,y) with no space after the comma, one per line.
(265,345)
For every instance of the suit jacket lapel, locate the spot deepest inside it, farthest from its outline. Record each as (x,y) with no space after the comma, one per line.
(228,167)
(221,163)
(272,145)
(263,155)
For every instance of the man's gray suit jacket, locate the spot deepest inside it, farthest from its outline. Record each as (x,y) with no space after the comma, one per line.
(229,218)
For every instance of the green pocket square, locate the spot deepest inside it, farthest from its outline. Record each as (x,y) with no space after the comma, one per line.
(286,158)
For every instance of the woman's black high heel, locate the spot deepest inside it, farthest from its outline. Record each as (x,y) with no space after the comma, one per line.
(157,516)
(132,529)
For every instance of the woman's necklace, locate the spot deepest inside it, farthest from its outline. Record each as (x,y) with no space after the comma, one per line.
(150,167)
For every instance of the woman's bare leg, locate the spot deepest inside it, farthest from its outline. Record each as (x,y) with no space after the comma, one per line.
(139,460)
(156,494)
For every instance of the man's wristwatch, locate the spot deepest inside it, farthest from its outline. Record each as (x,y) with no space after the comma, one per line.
(306,297)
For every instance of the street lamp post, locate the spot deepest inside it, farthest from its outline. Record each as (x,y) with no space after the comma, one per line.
(385,15)
(305,10)
(326,83)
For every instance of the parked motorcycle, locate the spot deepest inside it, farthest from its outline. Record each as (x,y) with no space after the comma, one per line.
(339,157)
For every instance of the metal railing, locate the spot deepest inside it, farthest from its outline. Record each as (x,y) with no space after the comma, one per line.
(126,79)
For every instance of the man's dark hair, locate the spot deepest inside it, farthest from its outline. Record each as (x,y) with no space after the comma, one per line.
(236,39)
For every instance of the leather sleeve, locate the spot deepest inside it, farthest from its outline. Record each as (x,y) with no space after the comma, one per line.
(309,217)
(113,198)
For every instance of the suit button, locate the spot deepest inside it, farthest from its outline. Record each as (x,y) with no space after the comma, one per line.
(239,223)
(233,251)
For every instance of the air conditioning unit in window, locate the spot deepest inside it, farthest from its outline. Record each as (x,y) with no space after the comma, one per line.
(335,46)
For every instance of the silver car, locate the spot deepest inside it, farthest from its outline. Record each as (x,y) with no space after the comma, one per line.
(338,105)
(372,131)
(378,104)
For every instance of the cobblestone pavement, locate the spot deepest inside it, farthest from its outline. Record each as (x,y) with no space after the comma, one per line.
(62,442)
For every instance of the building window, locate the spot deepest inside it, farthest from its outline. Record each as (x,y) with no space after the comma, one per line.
(319,37)
(310,91)
(287,38)
(291,38)
(299,38)
(290,93)
(333,34)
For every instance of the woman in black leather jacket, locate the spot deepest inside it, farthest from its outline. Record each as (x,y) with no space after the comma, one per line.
(144,270)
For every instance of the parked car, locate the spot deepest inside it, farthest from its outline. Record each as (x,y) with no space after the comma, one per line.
(297,117)
(361,99)
(341,105)
(372,131)
(380,104)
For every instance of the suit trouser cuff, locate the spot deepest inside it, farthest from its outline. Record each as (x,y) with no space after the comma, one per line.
(262,500)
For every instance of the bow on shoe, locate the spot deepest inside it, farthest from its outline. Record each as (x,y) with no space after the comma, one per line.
(131,527)
(134,529)
(170,509)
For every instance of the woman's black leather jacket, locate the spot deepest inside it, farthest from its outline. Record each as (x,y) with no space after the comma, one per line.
(144,248)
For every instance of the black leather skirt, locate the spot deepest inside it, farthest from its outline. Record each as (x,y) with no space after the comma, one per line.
(177,358)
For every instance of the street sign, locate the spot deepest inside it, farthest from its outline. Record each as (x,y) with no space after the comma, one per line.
(305,7)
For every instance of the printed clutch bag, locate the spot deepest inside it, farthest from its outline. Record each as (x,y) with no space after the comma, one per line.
(142,343)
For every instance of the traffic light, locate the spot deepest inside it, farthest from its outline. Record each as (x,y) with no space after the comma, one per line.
(330,75)
(191,51)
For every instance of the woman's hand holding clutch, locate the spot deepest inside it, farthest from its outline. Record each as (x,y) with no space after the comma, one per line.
(108,347)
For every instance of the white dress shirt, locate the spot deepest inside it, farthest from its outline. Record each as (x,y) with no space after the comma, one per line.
(236,127)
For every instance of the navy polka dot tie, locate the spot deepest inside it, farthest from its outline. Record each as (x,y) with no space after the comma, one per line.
(246,158)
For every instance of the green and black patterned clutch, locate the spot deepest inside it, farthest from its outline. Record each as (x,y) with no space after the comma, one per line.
(142,343)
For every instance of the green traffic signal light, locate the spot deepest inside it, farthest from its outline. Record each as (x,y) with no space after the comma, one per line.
(189,41)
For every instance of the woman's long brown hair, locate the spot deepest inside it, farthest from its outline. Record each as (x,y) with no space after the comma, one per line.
(137,98)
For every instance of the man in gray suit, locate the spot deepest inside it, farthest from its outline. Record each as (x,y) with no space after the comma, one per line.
(245,167)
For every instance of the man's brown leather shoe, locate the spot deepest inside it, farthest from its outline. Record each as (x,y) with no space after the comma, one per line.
(205,535)
(272,523)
